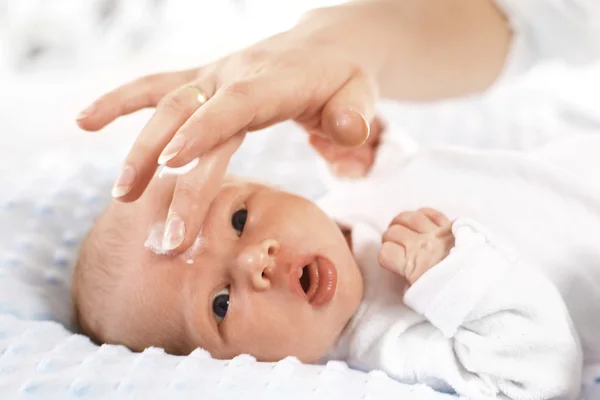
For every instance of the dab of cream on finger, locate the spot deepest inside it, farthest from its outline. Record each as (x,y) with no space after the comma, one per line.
(155,236)
(163,170)
(154,243)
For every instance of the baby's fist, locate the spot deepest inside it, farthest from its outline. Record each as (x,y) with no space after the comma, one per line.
(415,241)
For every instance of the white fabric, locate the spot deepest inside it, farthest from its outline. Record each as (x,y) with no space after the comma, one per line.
(42,221)
(485,321)
(41,228)
(551,29)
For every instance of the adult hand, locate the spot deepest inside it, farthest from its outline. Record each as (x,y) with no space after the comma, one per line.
(288,76)
(350,162)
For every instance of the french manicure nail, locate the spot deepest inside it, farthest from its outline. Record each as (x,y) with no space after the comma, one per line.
(172,149)
(367,128)
(86,113)
(346,124)
(174,232)
(124,182)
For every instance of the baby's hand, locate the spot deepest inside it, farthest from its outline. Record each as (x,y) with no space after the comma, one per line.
(415,241)
(354,162)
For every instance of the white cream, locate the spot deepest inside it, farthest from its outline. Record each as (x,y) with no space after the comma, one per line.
(165,171)
(195,248)
(155,237)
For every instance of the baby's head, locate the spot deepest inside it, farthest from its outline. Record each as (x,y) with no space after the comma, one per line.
(239,291)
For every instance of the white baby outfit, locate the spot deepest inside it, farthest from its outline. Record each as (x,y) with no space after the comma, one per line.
(512,311)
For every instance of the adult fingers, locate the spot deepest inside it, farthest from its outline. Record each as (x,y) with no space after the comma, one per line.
(141,161)
(347,115)
(333,152)
(194,192)
(242,106)
(133,96)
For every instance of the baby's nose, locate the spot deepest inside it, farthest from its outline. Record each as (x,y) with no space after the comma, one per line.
(257,262)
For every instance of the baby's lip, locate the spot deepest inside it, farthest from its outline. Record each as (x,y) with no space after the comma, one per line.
(323,280)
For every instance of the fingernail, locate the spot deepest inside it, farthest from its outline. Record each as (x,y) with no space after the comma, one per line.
(349,169)
(347,120)
(174,232)
(85,113)
(172,149)
(124,182)
(367,128)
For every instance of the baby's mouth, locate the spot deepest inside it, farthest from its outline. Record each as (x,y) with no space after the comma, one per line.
(305,279)
(314,282)
(309,280)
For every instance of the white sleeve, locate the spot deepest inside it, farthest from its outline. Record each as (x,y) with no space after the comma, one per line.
(494,328)
(551,29)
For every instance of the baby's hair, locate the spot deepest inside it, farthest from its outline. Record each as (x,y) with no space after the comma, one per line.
(107,269)
(95,274)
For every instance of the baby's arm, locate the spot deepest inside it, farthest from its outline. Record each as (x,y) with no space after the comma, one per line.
(494,328)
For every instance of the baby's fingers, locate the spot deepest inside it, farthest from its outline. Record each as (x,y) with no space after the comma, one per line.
(400,234)
(194,192)
(392,256)
(133,96)
(416,221)
(435,216)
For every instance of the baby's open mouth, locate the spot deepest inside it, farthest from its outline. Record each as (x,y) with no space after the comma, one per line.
(316,281)
(305,279)
(310,279)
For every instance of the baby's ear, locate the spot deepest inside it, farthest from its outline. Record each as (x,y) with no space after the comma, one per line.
(74,306)
(347,232)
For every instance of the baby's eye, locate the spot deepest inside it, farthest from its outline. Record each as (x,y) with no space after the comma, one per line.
(238,220)
(220,304)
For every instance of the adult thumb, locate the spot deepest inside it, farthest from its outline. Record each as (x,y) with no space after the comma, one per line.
(346,117)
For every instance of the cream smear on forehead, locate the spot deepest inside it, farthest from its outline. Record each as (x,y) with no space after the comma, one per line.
(154,243)
(157,230)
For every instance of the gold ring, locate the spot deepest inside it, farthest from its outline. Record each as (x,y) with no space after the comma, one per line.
(201,95)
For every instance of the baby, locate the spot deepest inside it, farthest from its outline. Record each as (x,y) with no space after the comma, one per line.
(360,278)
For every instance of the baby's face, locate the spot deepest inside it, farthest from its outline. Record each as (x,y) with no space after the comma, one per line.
(271,275)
